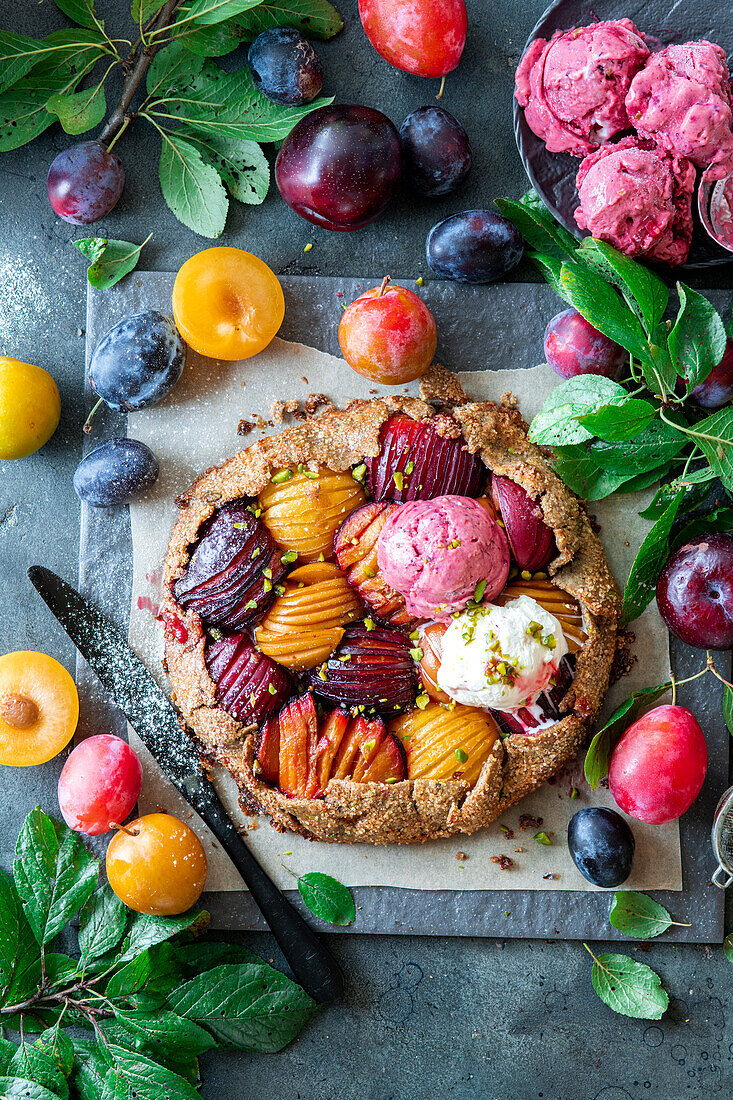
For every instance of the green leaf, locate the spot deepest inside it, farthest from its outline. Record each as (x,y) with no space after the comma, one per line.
(229,105)
(58,1044)
(192,188)
(110,260)
(639,916)
(728,708)
(36,1064)
(247,1006)
(697,339)
(146,931)
(608,736)
(550,269)
(327,898)
(172,69)
(657,443)
(538,227)
(643,291)
(719,520)
(619,420)
(192,958)
(23,1089)
(79,111)
(159,1035)
(315,18)
(216,11)
(628,987)
(137,1077)
(643,481)
(154,971)
(557,421)
(143,10)
(241,164)
(81,11)
(10,929)
(19,54)
(728,947)
(600,304)
(648,563)
(23,112)
(54,874)
(580,472)
(102,925)
(26,974)
(714,437)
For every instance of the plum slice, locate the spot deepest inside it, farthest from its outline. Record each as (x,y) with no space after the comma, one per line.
(355,547)
(236,564)
(415,462)
(298,723)
(267,750)
(372,669)
(249,686)
(531,540)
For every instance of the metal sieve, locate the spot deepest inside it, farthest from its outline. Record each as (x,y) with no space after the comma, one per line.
(722,837)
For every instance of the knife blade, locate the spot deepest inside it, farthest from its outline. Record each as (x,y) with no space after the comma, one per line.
(160,727)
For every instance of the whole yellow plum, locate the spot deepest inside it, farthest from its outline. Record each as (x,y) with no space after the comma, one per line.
(30,407)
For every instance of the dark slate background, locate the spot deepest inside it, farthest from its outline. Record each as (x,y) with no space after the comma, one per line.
(428,1017)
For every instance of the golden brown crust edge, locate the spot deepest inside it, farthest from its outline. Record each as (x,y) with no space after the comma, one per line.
(411,810)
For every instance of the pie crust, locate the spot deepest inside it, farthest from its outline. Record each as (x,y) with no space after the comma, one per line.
(411,810)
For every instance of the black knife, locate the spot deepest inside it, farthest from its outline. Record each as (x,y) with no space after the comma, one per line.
(159,725)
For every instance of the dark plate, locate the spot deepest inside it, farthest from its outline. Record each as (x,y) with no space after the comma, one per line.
(553,174)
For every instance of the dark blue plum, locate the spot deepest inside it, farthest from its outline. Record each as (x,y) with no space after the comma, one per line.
(475,246)
(85,182)
(602,846)
(436,150)
(115,472)
(138,361)
(285,67)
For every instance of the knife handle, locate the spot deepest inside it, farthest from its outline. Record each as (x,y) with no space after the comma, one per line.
(311,962)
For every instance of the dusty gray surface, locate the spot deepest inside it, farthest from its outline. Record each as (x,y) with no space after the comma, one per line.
(427,1017)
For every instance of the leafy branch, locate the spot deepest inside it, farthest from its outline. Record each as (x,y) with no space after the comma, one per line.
(145,997)
(170,81)
(624,436)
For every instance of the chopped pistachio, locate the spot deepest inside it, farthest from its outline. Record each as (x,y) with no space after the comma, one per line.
(322,672)
(526,575)
(267,585)
(288,557)
(409,467)
(215,633)
(368,747)
(549,641)
(267,573)
(391,779)
(461,756)
(399,479)
(308,247)
(256,552)
(543,838)
(239,526)
(281,476)
(414,635)
(574,792)
(279,590)
(422,701)
(272,689)
(417,654)
(250,605)
(359,472)
(369,624)
(478,594)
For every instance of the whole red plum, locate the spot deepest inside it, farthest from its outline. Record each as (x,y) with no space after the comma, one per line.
(388,335)
(573,346)
(695,592)
(658,767)
(339,166)
(423,37)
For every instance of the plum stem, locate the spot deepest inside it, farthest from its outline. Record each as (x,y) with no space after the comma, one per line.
(118,118)
(441,89)
(385,281)
(124,828)
(711,668)
(88,422)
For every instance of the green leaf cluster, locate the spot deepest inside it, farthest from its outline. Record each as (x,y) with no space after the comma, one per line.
(625,436)
(144,998)
(210,122)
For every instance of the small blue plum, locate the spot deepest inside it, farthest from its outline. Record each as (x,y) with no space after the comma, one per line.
(285,67)
(436,151)
(601,845)
(475,246)
(115,472)
(85,182)
(138,361)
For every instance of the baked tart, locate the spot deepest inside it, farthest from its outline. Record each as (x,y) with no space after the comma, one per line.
(389,622)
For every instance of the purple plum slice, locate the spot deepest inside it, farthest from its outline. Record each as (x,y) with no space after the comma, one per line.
(249,685)
(415,462)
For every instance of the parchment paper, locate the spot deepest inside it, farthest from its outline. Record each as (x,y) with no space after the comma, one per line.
(195,427)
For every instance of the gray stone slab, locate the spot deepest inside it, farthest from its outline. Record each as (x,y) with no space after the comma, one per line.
(489,327)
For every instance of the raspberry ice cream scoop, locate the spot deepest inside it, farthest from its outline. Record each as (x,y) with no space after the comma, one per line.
(638,197)
(681,99)
(435,552)
(573,88)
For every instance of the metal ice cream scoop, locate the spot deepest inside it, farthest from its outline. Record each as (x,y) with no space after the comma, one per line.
(722,837)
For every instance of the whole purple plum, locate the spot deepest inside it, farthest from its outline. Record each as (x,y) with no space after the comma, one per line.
(85,182)
(695,591)
(717,389)
(573,346)
(339,166)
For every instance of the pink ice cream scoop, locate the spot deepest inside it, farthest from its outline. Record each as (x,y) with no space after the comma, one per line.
(681,99)
(573,88)
(638,197)
(436,551)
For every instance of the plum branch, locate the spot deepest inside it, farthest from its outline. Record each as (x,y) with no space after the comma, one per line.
(138,62)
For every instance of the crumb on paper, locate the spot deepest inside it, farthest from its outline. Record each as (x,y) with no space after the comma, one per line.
(519,848)
(244,427)
(281,409)
(315,401)
(509,400)
(304,379)
(504,862)
(462,856)
(259,421)
(529,821)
